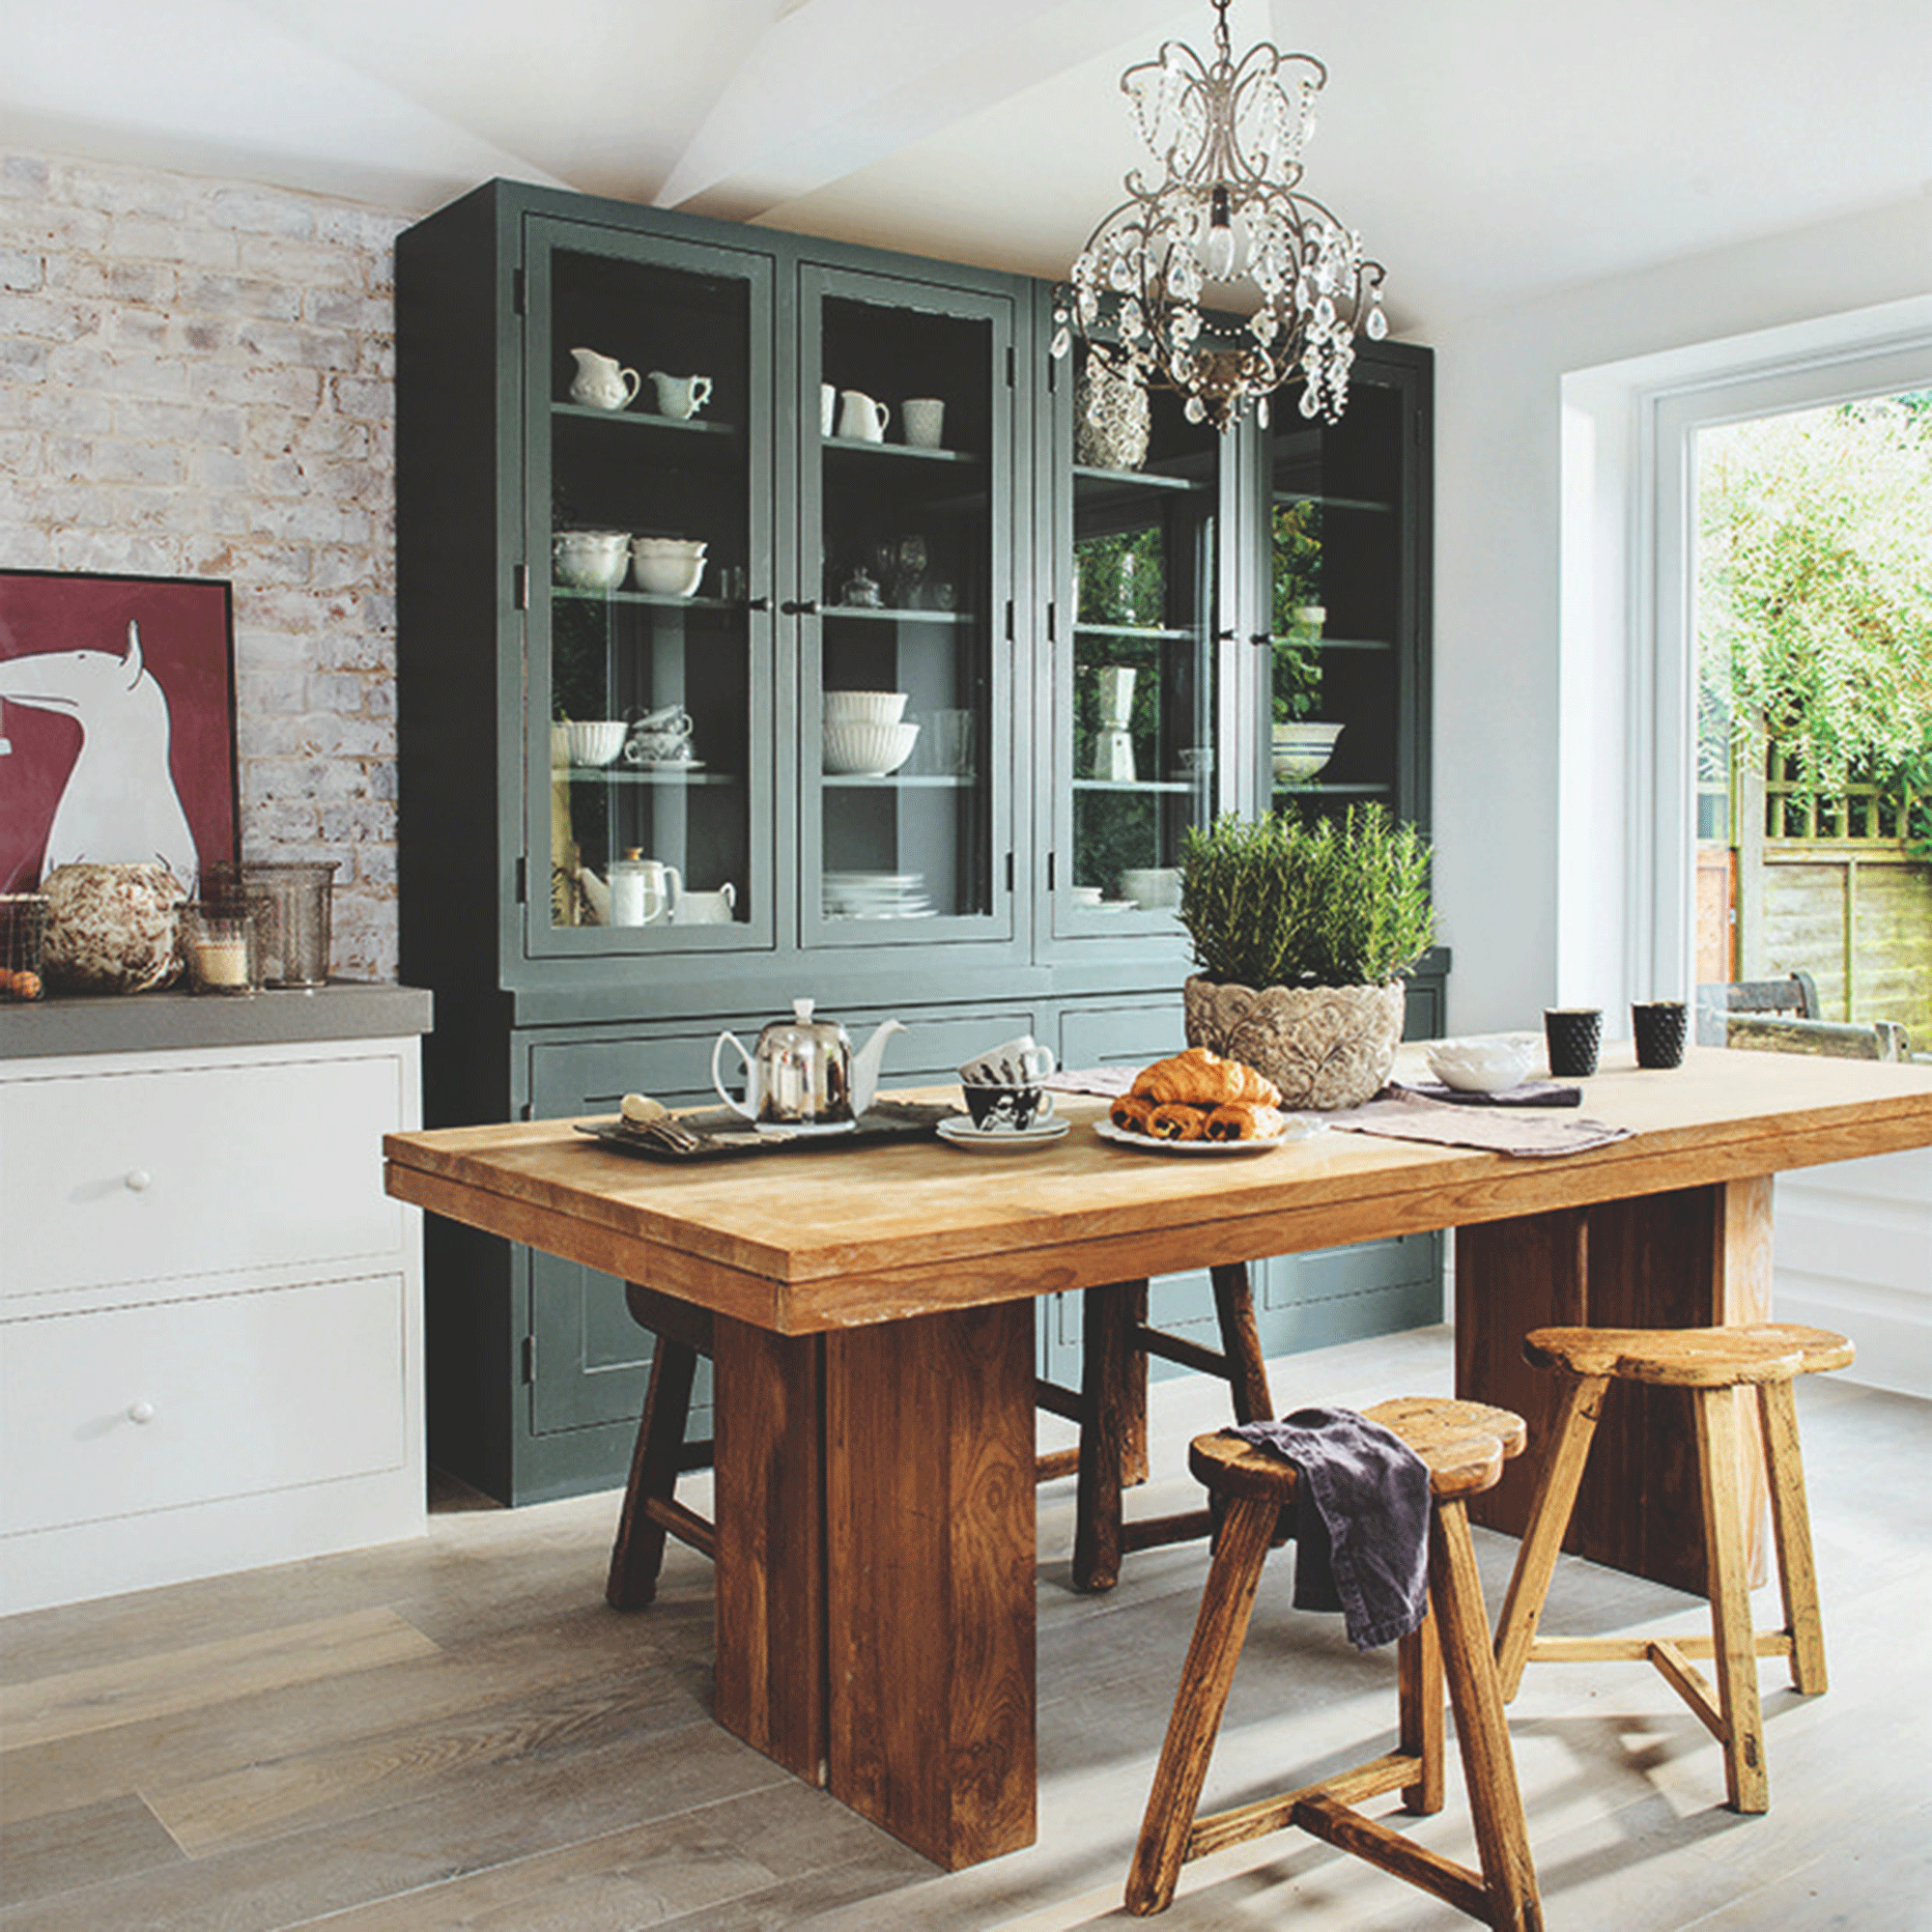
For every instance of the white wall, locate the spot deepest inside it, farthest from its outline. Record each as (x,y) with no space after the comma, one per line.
(1517,729)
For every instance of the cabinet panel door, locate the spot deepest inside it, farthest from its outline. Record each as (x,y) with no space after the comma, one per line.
(650,435)
(1141,721)
(904,611)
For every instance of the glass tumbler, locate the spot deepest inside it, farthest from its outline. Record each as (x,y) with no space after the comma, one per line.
(220,941)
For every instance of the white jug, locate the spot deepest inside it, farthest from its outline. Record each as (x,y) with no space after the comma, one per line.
(601,385)
(863,420)
(642,890)
(681,396)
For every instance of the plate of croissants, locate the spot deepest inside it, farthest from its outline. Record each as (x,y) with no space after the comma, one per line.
(1196,1102)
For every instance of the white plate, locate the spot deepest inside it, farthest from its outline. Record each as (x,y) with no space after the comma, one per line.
(957,1130)
(1300,1128)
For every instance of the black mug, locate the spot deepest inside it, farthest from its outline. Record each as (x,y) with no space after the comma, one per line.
(1572,1035)
(1660,1027)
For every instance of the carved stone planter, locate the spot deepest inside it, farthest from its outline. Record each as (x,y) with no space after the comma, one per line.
(1323,1046)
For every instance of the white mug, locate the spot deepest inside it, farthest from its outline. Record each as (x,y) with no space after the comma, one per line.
(706,908)
(828,407)
(863,420)
(1021,1060)
(681,396)
(924,420)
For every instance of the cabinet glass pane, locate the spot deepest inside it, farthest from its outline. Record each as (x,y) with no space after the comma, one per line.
(905,674)
(1141,710)
(650,541)
(1334,609)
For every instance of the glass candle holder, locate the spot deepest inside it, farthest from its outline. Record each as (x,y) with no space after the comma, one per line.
(223,949)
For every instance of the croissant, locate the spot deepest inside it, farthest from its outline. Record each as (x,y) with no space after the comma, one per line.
(1243,1120)
(1205,1079)
(1175,1120)
(1131,1113)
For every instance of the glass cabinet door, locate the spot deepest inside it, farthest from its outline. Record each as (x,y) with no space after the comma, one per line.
(649,707)
(1339,595)
(1137,708)
(903,612)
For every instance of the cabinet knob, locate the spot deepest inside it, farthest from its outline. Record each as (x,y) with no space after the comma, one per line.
(804,607)
(1224,637)
(758,603)
(138,1179)
(1259,638)
(140,1411)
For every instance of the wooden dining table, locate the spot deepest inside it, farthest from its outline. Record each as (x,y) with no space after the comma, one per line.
(873,1327)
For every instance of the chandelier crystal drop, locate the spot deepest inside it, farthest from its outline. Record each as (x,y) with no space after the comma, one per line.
(1152,290)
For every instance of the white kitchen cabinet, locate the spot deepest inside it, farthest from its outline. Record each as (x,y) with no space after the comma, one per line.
(211,1332)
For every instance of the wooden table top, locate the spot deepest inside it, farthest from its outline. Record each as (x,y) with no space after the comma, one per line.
(831,1237)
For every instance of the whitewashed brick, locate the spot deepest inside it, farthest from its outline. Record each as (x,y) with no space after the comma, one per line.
(261,211)
(360,396)
(240,295)
(23,268)
(94,278)
(24,177)
(22,547)
(44,318)
(22,360)
(181,243)
(120,191)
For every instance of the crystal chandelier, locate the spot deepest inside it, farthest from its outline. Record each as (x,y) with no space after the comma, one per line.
(1230,137)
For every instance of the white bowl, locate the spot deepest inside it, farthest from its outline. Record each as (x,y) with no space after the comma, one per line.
(864,707)
(867,750)
(1482,1065)
(590,559)
(596,743)
(685,547)
(667,575)
(1300,750)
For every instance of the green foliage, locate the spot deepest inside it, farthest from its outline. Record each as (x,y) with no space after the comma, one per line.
(1282,900)
(1297,583)
(1814,592)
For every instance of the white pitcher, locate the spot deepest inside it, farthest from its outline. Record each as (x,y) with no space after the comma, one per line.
(601,383)
(863,420)
(681,396)
(642,890)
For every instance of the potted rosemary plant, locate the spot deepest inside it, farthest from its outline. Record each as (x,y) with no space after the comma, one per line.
(1303,929)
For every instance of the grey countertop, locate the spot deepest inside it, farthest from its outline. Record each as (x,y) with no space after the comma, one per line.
(153,1022)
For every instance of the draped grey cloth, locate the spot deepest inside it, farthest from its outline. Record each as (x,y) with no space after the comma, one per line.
(1361,1525)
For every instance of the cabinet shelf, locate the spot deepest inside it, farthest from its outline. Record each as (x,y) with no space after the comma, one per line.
(647,597)
(892,614)
(631,775)
(911,451)
(1138,479)
(1183,787)
(1155,632)
(643,419)
(1330,502)
(1306,790)
(1336,643)
(929,782)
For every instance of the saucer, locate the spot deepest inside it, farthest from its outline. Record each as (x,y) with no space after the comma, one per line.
(957,1130)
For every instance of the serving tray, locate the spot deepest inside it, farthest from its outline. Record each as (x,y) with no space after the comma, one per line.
(723,1134)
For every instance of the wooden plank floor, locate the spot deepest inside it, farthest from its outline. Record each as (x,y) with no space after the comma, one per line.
(456,1733)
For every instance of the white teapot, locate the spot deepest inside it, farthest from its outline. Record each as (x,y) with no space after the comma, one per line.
(805,1078)
(600,382)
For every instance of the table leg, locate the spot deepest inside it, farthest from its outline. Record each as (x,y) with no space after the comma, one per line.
(1691,1258)
(770,1514)
(929,1579)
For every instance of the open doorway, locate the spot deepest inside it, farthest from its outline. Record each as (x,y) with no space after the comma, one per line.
(1811,580)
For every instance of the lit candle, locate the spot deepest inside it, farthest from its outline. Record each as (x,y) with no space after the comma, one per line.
(222,962)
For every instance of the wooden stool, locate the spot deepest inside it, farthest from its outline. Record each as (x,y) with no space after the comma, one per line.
(1465,1444)
(1110,1406)
(1713,1364)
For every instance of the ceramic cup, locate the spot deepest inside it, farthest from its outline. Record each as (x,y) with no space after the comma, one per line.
(924,420)
(681,396)
(1012,1061)
(1573,1034)
(1660,1027)
(1006,1107)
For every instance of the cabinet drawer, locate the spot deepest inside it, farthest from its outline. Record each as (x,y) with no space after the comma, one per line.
(138,1176)
(186,1402)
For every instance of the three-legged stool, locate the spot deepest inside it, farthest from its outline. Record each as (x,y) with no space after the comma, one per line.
(1715,1364)
(1464,1445)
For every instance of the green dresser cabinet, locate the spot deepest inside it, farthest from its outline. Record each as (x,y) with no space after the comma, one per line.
(917,732)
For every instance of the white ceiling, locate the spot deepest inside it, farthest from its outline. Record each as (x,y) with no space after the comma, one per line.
(1490,150)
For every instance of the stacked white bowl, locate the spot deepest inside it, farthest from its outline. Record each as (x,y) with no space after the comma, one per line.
(590,559)
(595,741)
(863,736)
(666,566)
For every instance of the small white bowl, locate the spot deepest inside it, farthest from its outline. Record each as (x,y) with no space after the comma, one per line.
(667,575)
(596,743)
(1489,1065)
(686,546)
(864,707)
(1300,750)
(590,559)
(867,750)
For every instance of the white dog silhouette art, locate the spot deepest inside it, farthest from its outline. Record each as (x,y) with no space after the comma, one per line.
(120,805)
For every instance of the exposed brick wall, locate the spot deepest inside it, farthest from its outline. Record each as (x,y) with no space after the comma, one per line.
(196,379)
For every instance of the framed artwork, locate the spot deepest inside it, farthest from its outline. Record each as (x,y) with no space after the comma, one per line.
(117,723)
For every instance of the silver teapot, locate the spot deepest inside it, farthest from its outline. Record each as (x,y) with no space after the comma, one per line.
(804,1077)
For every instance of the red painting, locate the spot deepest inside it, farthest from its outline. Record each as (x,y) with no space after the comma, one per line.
(117,723)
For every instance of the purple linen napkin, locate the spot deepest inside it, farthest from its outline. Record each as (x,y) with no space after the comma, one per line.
(1406,1116)
(1361,1526)
(1524,1093)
